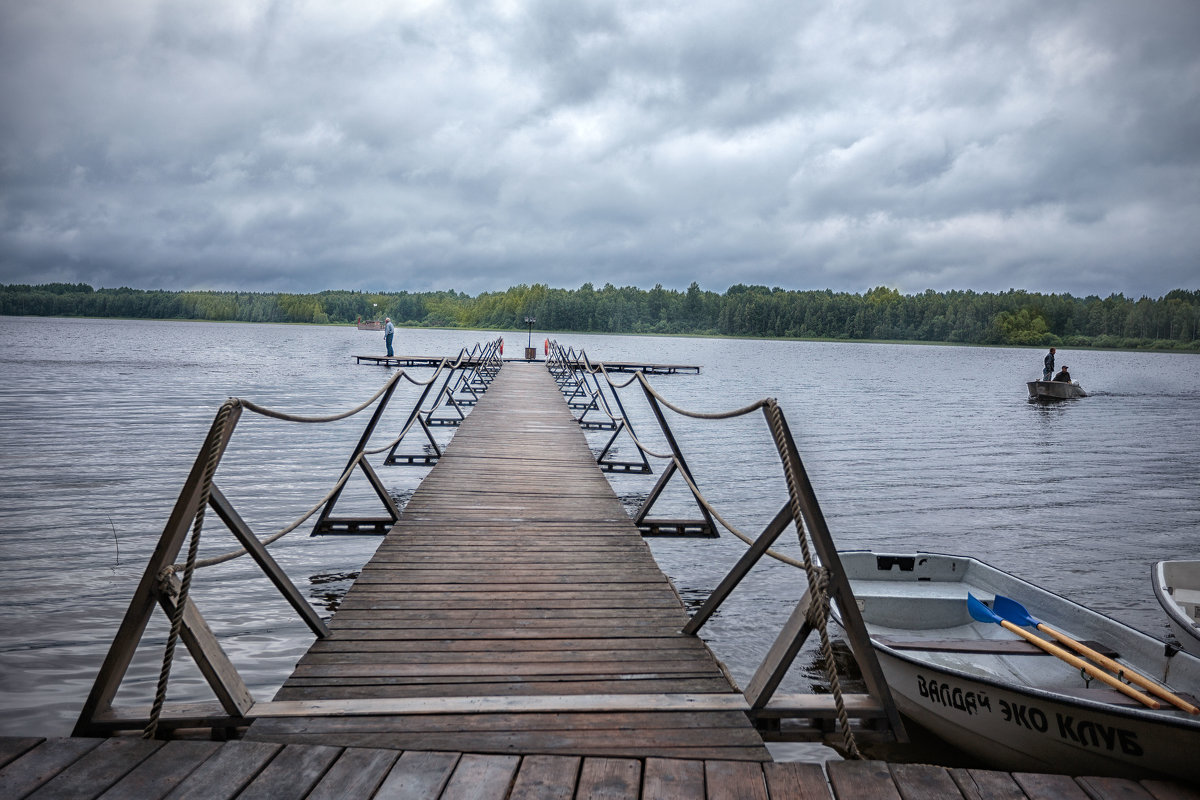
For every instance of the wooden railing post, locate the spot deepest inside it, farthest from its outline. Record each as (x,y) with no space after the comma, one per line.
(146,596)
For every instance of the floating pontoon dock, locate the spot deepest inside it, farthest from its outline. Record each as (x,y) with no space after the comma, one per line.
(611,366)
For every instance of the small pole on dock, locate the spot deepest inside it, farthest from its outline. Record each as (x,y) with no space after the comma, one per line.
(530,353)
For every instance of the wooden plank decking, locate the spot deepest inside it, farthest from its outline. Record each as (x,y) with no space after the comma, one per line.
(611,366)
(129,768)
(514,573)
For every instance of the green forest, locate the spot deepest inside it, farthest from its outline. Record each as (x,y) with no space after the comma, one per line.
(1014,317)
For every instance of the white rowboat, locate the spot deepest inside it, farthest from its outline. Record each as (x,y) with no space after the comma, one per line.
(989,692)
(1177,587)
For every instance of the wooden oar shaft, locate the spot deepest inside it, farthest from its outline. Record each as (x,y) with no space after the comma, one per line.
(1130,674)
(1079,663)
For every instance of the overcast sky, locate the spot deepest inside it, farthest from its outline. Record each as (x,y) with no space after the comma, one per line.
(305,145)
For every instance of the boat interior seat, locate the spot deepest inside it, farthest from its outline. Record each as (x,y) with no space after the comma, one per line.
(915,605)
(1188,600)
(997,647)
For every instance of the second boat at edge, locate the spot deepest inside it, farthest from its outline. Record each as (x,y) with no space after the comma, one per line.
(989,692)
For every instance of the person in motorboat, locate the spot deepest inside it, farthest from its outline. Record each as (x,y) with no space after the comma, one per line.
(1048,365)
(1063,375)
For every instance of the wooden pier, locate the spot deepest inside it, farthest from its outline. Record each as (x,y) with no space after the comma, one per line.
(611,366)
(512,637)
(514,608)
(135,769)
(404,361)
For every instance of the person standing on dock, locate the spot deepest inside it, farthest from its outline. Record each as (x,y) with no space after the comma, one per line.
(1047,365)
(388,331)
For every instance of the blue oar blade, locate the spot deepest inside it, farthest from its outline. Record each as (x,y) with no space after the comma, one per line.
(1013,611)
(981,612)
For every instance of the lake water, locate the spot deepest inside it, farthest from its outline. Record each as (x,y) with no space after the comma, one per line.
(908,447)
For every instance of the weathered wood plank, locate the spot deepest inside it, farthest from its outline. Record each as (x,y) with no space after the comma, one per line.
(40,764)
(366,689)
(165,769)
(13,747)
(793,780)
(546,778)
(986,784)
(496,705)
(924,782)
(418,776)
(437,656)
(352,641)
(481,777)
(98,769)
(358,772)
(1167,790)
(734,780)
(1049,787)
(672,779)
(861,780)
(609,779)
(292,773)
(1114,789)
(659,669)
(228,772)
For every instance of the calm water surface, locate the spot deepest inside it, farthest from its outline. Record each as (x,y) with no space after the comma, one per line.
(909,447)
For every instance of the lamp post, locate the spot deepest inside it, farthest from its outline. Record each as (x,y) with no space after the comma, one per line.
(530,353)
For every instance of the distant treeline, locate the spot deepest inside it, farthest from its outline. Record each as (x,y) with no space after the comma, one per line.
(1010,318)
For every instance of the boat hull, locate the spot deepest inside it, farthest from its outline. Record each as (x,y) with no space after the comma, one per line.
(1177,587)
(1054,390)
(1025,732)
(989,693)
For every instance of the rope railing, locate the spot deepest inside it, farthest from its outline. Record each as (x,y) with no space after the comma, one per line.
(800,510)
(170,584)
(355,460)
(585,364)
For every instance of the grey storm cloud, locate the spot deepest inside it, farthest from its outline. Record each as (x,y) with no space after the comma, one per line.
(299,146)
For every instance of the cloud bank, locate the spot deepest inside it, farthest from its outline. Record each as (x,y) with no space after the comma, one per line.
(300,146)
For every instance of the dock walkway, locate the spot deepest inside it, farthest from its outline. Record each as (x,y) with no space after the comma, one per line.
(514,608)
(611,366)
(123,768)
(512,638)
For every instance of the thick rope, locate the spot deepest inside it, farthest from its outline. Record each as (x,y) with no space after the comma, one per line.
(274,537)
(702,500)
(341,481)
(286,417)
(818,579)
(699,495)
(214,445)
(738,412)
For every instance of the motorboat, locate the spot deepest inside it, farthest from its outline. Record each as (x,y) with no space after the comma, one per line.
(1177,587)
(1055,390)
(988,689)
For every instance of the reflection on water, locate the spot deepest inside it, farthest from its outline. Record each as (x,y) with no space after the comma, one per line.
(329,589)
(632,502)
(401,497)
(909,447)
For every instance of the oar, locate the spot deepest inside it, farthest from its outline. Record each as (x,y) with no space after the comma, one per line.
(1014,612)
(984,614)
